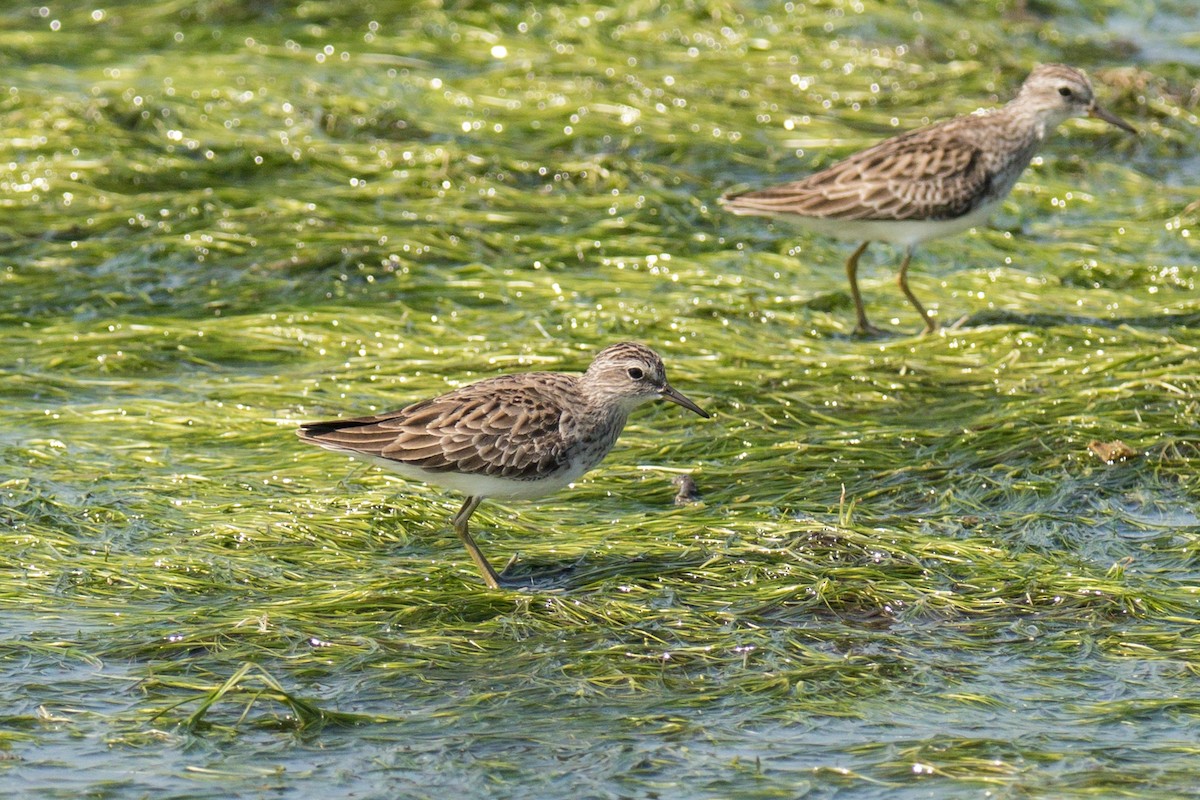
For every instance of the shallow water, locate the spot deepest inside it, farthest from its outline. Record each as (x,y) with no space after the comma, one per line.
(908,575)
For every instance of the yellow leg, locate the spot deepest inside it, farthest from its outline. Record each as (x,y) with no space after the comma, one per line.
(864,327)
(902,279)
(460,527)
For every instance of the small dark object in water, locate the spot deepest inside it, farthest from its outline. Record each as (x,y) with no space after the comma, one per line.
(687,490)
(1112,452)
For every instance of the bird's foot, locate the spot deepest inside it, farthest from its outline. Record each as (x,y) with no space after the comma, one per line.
(865,330)
(959,323)
(531,577)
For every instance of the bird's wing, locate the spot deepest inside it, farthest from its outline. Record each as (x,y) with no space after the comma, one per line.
(930,173)
(496,427)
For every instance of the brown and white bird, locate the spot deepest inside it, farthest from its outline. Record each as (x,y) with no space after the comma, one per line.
(930,182)
(510,437)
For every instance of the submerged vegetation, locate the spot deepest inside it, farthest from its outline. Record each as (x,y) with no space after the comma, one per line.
(916,566)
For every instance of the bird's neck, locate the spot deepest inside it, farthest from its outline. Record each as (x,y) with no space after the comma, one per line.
(1038,122)
(595,403)
(614,415)
(596,428)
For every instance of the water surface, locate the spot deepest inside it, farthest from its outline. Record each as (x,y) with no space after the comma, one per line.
(909,575)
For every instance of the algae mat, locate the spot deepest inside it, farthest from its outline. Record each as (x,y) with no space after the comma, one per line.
(919,567)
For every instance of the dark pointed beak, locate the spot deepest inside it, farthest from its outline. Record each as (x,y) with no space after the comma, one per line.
(1100,112)
(675,396)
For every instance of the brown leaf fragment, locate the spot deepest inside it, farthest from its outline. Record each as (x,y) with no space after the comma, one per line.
(687,490)
(1112,452)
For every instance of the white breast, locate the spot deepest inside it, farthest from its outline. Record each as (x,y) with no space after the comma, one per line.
(477,485)
(906,233)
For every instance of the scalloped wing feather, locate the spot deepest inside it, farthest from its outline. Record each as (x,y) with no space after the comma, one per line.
(932,173)
(497,427)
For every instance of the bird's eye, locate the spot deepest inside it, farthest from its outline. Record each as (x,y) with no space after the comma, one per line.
(1065,91)
(636,373)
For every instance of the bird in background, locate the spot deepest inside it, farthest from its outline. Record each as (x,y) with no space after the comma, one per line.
(930,182)
(511,437)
